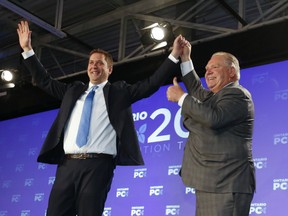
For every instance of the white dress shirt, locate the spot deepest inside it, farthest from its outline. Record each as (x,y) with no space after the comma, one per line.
(101,137)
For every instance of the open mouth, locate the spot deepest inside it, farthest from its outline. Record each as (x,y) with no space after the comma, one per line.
(211,78)
(95,72)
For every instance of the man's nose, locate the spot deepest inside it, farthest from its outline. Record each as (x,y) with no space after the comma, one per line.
(208,71)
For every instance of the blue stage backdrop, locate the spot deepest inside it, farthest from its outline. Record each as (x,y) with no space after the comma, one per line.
(156,188)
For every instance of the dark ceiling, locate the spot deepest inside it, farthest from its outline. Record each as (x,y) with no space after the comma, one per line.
(65,31)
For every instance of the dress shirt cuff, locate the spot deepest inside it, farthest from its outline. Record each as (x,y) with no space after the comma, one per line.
(186,67)
(181,100)
(172,58)
(28,54)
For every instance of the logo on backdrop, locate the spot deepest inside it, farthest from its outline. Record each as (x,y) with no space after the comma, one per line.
(122,192)
(142,129)
(137,210)
(172,210)
(258,208)
(140,173)
(19,168)
(25,213)
(174,170)
(140,133)
(156,190)
(32,152)
(51,180)
(42,166)
(281,95)
(16,198)
(38,197)
(29,182)
(259,78)
(281,138)
(260,163)
(280,184)
(189,190)
(107,211)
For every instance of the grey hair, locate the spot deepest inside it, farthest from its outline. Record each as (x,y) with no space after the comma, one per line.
(231,61)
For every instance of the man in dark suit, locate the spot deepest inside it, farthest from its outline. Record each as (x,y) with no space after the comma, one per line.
(84,173)
(217,159)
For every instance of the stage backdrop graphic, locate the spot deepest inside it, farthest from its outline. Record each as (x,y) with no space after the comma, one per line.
(154,189)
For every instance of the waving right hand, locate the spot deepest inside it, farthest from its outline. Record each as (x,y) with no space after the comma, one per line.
(24,35)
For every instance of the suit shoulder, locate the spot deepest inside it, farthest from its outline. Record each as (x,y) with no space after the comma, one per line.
(237,90)
(120,84)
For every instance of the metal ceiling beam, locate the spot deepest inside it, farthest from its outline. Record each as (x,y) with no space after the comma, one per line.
(122,38)
(259,7)
(59,14)
(233,12)
(282,5)
(246,28)
(117,14)
(69,51)
(57,63)
(197,8)
(241,9)
(185,24)
(25,14)
(281,8)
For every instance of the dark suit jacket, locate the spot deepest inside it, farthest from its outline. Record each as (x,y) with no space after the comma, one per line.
(118,97)
(218,153)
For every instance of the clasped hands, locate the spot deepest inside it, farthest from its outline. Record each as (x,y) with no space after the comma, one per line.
(182,49)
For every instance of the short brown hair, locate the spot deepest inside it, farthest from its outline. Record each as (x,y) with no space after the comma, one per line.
(108,56)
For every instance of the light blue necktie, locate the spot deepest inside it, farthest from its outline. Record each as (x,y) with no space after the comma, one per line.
(84,125)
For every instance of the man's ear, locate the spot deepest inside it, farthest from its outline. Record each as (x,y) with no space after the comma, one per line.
(110,69)
(232,73)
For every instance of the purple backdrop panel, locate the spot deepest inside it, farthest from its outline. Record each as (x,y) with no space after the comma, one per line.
(155,188)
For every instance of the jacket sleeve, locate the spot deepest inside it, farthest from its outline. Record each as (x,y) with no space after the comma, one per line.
(147,87)
(43,80)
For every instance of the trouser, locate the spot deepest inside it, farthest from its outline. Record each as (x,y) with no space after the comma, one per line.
(223,204)
(81,187)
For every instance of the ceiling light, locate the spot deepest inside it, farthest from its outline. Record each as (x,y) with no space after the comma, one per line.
(159,35)
(6,75)
(7,79)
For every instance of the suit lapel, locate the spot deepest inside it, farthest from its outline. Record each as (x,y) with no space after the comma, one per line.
(106,90)
(76,95)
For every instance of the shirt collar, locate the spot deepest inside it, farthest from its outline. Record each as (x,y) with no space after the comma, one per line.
(228,84)
(100,86)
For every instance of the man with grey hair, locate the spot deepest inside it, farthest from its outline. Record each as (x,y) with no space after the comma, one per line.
(217,160)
